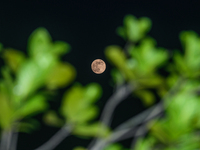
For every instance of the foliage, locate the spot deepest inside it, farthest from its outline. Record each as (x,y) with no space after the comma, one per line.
(28,79)
(179,128)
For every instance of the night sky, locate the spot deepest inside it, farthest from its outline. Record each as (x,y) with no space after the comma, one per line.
(90,26)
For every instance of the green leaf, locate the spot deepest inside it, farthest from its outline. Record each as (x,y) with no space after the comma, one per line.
(39,42)
(28,125)
(1,47)
(6,111)
(51,118)
(144,144)
(77,102)
(121,32)
(181,66)
(188,142)
(33,106)
(13,58)
(147,57)
(93,92)
(79,148)
(117,77)
(117,57)
(147,97)
(114,147)
(60,48)
(31,76)
(85,115)
(72,101)
(134,29)
(144,25)
(60,76)
(92,130)
(151,81)
(191,44)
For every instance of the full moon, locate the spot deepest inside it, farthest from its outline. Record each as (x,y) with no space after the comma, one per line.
(98,66)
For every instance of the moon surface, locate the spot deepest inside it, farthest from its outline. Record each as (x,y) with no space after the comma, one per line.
(98,66)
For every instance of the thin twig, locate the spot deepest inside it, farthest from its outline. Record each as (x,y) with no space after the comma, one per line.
(127,130)
(13,145)
(56,139)
(142,130)
(150,112)
(106,118)
(120,135)
(5,139)
(121,94)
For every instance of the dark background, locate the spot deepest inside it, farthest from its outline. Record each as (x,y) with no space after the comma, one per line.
(90,26)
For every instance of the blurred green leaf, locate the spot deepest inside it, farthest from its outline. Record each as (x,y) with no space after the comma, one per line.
(144,144)
(79,148)
(72,102)
(86,114)
(191,44)
(92,130)
(6,111)
(147,97)
(77,102)
(117,57)
(117,77)
(51,118)
(188,142)
(39,42)
(134,29)
(148,58)
(1,47)
(121,32)
(28,125)
(92,92)
(60,48)
(32,106)
(60,76)
(181,66)
(13,58)
(114,147)
(144,25)
(131,28)
(31,76)
(151,81)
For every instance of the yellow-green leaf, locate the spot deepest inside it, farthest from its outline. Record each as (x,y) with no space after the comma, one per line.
(61,75)
(32,106)
(79,148)
(39,42)
(60,48)
(52,119)
(77,105)
(6,111)
(92,130)
(93,92)
(147,97)
(13,58)
(114,147)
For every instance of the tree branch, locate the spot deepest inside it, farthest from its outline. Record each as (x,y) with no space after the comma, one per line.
(5,139)
(56,139)
(129,129)
(106,118)
(120,94)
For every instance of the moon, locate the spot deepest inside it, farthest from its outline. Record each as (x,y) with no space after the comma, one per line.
(98,66)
